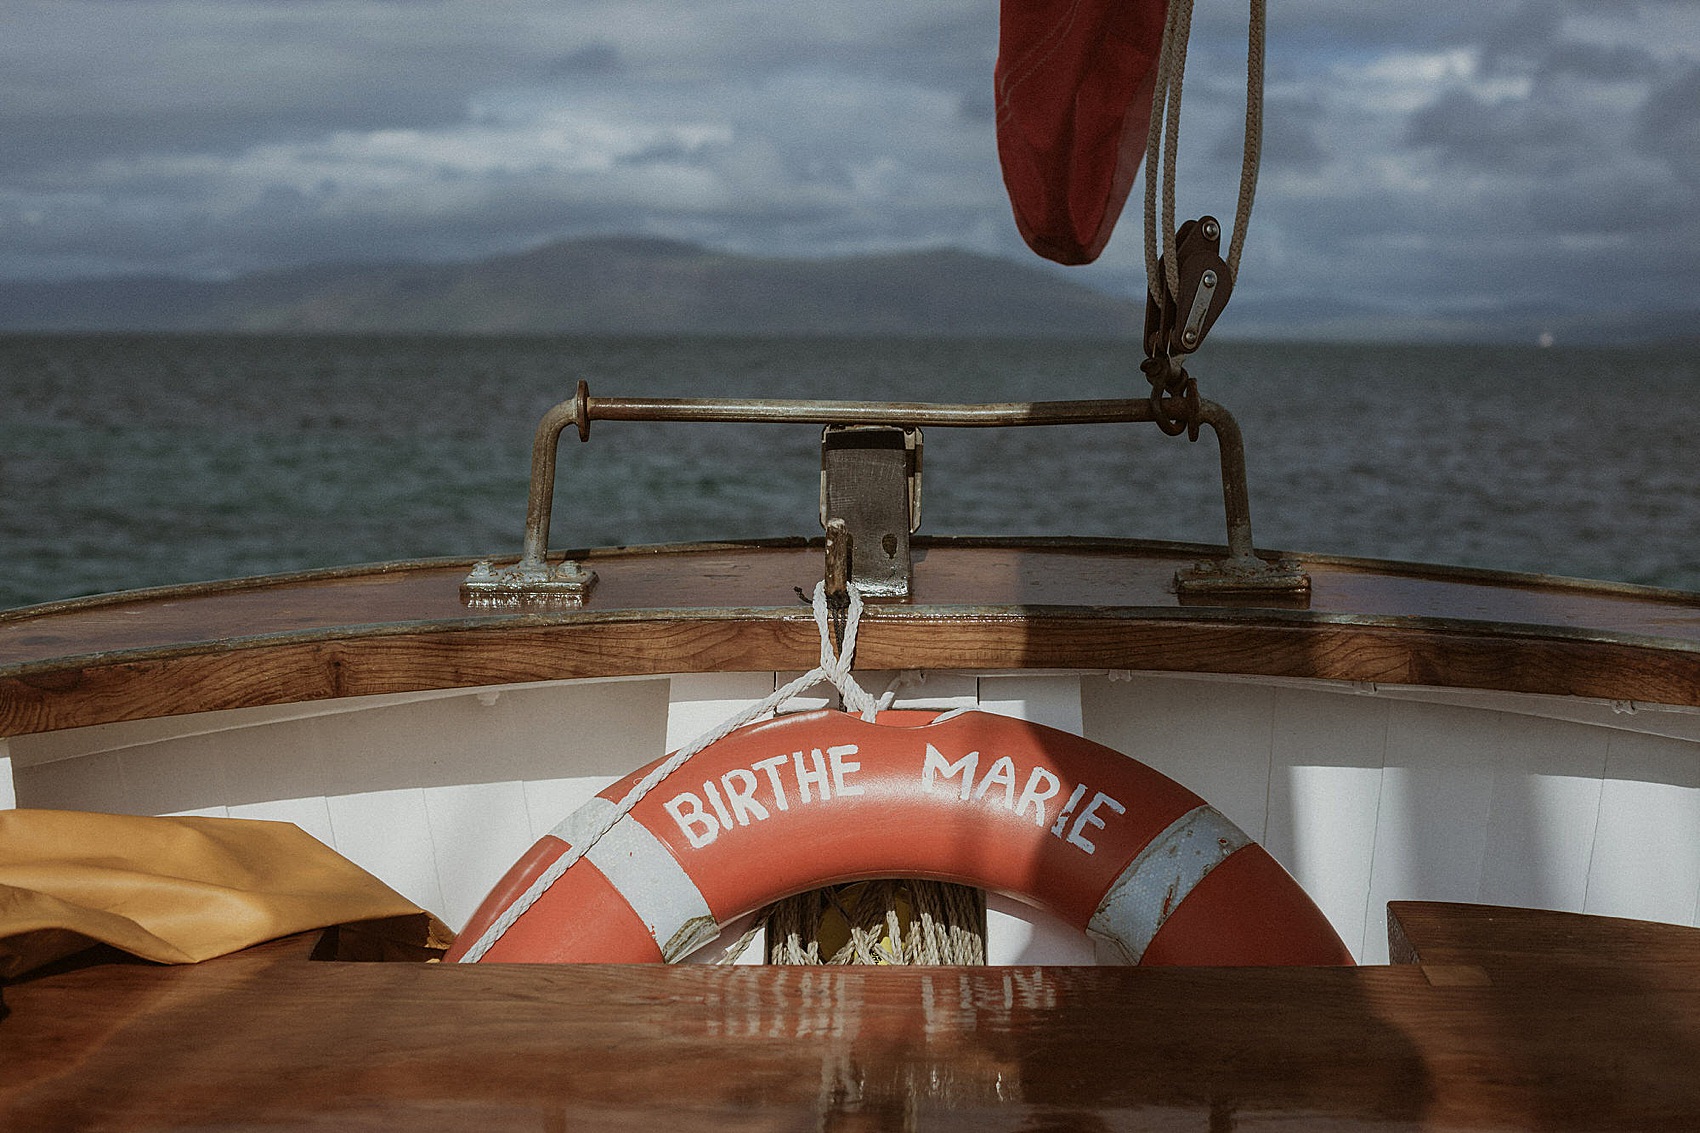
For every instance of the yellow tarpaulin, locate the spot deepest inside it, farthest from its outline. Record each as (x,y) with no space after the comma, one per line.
(180,890)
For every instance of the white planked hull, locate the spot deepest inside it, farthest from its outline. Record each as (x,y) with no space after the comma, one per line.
(1366,793)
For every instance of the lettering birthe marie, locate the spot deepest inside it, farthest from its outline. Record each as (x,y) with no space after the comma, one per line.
(745,795)
(1042,786)
(821,775)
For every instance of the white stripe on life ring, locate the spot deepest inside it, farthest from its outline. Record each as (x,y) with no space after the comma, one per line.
(647,875)
(1162,875)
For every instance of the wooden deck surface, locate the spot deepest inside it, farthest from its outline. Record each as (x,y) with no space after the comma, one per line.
(1505,1020)
(977,605)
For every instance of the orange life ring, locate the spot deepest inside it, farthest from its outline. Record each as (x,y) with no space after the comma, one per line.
(799,802)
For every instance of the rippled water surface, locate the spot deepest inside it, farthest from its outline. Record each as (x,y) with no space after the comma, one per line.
(139,461)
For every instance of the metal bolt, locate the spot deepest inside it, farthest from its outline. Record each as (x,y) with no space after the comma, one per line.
(1190,337)
(1211,229)
(1209,280)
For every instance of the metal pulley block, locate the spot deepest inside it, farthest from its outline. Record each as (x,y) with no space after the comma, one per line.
(1177,326)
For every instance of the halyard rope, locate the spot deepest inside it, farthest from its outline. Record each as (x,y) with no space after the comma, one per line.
(1166,122)
(834,667)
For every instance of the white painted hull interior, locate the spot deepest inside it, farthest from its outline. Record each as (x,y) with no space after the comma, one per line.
(1366,793)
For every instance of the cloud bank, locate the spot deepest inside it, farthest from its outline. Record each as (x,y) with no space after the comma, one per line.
(1433,166)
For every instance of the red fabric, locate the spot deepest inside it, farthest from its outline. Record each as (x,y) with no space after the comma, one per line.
(1074,82)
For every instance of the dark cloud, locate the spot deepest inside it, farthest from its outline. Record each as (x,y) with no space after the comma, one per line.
(1607,62)
(599,59)
(978,104)
(1449,155)
(1578,155)
(1291,140)
(1521,134)
(1352,27)
(1667,127)
(1526,30)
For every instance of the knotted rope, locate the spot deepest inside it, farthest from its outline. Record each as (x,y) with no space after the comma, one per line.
(834,667)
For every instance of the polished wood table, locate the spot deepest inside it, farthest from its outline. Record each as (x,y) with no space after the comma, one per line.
(1498,1019)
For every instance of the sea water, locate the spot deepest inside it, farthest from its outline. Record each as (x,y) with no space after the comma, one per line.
(140,461)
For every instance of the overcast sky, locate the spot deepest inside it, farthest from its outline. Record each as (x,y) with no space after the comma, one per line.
(1424,161)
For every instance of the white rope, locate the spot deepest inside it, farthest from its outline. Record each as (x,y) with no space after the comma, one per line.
(834,667)
(1166,124)
(742,944)
(945,924)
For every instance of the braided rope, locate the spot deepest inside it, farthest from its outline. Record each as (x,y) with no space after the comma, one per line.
(1256,33)
(1173,44)
(1166,125)
(834,667)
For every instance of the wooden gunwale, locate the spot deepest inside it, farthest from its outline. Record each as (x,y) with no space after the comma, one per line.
(295,638)
(1087,544)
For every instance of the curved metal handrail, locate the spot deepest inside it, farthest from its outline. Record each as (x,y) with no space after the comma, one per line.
(533,579)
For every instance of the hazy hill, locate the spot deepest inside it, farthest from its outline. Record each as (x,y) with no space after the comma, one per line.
(612,285)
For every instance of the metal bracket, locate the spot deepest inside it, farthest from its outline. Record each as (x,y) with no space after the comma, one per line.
(1251,576)
(525,584)
(870,477)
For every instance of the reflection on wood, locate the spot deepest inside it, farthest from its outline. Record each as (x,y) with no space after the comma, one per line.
(1505,1020)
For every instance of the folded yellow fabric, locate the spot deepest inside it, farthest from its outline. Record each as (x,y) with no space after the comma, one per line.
(179,890)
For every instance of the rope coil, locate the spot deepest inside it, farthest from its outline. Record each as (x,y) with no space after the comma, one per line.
(879,922)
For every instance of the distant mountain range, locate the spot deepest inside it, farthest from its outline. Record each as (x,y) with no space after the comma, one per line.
(617,285)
